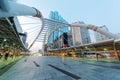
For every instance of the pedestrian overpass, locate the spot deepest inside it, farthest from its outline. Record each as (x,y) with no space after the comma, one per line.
(11,37)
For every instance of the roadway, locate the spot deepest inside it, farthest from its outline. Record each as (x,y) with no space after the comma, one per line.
(52,68)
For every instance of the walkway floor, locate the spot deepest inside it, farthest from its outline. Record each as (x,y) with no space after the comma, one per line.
(52,68)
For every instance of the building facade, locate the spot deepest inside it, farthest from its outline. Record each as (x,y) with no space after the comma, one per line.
(61,41)
(80,35)
(54,15)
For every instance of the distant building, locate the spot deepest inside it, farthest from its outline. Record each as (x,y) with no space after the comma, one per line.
(54,15)
(26,44)
(22,35)
(70,40)
(101,37)
(24,38)
(118,35)
(18,26)
(39,51)
(61,41)
(80,35)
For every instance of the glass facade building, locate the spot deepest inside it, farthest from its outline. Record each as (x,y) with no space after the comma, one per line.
(54,15)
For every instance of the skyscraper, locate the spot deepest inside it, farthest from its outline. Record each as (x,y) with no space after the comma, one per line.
(80,35)
(54,15)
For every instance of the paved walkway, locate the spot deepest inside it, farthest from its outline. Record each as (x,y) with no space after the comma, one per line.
(99,63)
(52,68)
(104,64)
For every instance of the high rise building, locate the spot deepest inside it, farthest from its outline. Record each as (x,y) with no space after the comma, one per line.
(54,15)
(80,35)
(101,37)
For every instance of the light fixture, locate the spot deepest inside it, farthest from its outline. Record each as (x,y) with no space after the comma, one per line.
(5,40)
(105,49)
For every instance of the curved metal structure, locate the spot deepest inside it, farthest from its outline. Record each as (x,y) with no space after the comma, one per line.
(11,9)
(91,27)
(97,29)
(38,33)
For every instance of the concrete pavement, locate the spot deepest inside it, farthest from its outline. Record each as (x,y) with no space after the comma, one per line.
(37,68)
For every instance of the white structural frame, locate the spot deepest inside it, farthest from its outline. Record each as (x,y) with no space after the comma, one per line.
(88,26)
(10,9)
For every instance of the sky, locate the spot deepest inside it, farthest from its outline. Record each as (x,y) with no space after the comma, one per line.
(95,12)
